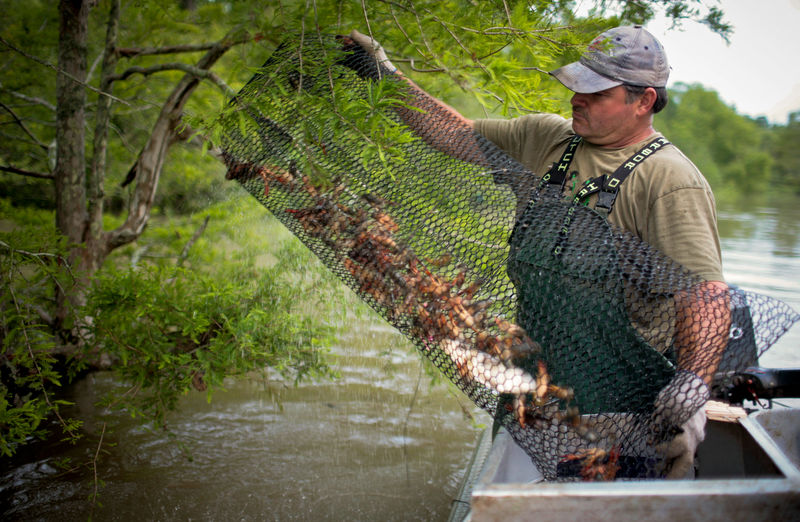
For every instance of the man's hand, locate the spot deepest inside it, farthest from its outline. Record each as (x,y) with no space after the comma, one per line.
(678,401)
(374,48)
(678,422)
(678,453)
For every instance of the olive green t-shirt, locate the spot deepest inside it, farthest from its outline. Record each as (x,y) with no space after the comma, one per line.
(665,201)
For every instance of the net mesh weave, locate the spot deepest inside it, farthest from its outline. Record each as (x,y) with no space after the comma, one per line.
(567,330)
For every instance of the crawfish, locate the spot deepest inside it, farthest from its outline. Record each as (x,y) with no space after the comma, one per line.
(598,464)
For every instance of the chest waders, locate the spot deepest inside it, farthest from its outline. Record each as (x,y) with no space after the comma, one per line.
(549,265)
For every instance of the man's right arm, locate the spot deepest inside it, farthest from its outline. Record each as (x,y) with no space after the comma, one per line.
(438,124)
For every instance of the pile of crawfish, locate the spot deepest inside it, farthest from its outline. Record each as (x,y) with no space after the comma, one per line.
(441,312)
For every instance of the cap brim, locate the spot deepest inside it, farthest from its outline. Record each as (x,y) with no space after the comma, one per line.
(579,78)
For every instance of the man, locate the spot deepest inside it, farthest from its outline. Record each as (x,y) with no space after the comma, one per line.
(618,85)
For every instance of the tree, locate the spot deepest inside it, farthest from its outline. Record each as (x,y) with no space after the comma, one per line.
(539,34)
(787,156)
(51,142)
(728,148)
(91,110)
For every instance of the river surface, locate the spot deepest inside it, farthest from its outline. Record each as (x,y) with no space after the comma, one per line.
(380,443)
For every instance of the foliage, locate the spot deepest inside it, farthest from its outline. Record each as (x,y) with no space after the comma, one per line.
(729,149)
(235,305)
(31,367)
(173,330)
(491,54)
(168,327)
(738,155)
(786,153)
(678,11)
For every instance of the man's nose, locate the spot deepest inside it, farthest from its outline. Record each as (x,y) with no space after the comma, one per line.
(578,100)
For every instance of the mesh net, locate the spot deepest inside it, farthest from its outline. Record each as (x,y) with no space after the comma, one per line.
(573,334)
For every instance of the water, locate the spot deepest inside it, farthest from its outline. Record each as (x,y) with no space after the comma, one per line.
(761,252)
(380,443)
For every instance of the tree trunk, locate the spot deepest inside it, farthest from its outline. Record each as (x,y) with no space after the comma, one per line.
(151,160)
(70,168)
(96,248)
(70,119)
(79,194)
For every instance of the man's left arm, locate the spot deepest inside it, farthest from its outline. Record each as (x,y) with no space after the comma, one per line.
(702,327)
(683,226)
(686,228)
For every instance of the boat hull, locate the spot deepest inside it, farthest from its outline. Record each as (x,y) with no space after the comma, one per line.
(748,469)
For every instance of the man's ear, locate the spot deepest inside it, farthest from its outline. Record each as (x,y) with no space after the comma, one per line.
(647,100)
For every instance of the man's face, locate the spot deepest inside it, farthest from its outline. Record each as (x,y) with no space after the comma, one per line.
(603,118)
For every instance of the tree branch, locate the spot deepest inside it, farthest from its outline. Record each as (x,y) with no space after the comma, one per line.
(97,171)
(130,52)
(38,372)
(31,99)
(22,126)
(58,70)
(203,74)
(36,255)
(151,159)
(94,468)
(30,174)
(192,241)
(412,64)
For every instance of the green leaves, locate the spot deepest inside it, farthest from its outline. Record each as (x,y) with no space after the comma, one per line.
(175,330)
(728,148)
(32,367)
(786,153)
(381,134)
(237,308)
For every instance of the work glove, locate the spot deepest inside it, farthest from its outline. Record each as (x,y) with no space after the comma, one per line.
(678,422)
(373,48)
(678,453)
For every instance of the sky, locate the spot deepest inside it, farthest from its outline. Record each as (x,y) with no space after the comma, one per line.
(758,73)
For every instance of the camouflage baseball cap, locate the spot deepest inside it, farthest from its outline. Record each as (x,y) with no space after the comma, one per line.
(626,54)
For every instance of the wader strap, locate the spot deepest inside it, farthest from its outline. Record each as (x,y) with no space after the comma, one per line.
(557,174)
(608,185)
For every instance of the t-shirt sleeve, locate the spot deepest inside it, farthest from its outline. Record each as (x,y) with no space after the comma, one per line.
(506,134)
(528,139)
(683,225)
